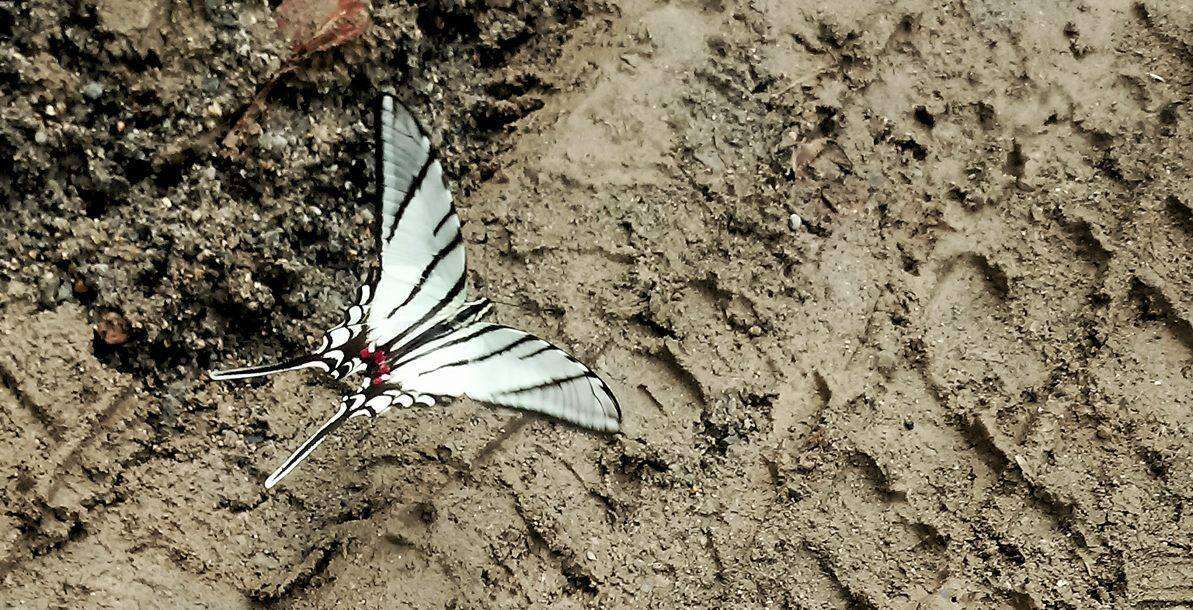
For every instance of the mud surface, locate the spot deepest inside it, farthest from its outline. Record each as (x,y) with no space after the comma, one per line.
(961,379)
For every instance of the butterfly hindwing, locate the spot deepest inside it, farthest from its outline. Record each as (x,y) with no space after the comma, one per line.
(337,352)
(421,247)
(508,367)
(371,400)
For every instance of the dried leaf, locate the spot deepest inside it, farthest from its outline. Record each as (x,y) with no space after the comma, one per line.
(316,25)
(310,26)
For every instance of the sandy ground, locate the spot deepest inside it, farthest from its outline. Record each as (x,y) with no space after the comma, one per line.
(962,380)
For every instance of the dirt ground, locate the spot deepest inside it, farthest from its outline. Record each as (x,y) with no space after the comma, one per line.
(959,376)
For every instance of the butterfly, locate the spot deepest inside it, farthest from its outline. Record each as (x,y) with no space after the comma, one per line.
(412,331)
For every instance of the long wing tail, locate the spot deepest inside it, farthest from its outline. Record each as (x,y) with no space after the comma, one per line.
(293,364)
(303,451)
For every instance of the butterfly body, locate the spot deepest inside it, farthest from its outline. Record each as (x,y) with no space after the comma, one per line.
(412,331)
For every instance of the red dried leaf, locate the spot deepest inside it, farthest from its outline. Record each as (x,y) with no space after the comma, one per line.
(315,25)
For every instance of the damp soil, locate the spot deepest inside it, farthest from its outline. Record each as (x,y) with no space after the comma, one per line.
(897,297)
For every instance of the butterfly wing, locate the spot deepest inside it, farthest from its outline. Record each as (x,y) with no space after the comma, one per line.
(511,368)
(418,230)
(370,399)
(337,353)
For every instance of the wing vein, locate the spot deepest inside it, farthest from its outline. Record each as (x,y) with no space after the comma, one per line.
(492,354)
(415,184)
(426,273)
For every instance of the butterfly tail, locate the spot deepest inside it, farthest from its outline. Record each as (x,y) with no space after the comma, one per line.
(293,364)
(302,452)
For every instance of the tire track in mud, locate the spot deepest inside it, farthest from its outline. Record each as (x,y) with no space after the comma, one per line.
(424,522)
(909,434)
(52,426)
(41,497)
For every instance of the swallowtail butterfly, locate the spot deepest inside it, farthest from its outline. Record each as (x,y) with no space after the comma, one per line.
(414,333)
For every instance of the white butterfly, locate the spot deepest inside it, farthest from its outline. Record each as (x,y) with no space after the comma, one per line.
(412,330)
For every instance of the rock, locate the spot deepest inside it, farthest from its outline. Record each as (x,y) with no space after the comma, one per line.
(47,290)
(81,289)
(93,90)
(125,16)
(886,362)
(795,222)
(112,329)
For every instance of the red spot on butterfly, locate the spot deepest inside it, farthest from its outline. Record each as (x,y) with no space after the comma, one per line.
(375,364)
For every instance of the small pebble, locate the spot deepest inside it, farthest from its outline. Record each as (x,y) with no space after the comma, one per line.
(795,222)
(47,289)
(887,363)
(272,141)
(112,328)
(93,90)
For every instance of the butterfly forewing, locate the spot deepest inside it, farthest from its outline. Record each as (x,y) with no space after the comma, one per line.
(508,367)
(422,249)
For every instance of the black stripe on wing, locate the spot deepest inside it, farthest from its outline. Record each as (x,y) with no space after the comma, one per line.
(443,252)
(378,172)
(432,313)
(551,383)
(411,190)
(546,348)
(493,354)
(587,373)
(468,314)
(442,221)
